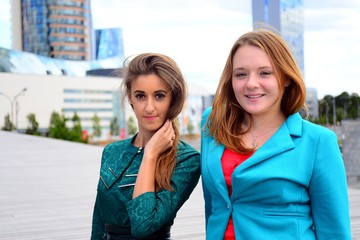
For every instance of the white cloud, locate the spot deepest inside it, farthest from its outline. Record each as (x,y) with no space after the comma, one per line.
(331,44)
(4,24)
(5,31)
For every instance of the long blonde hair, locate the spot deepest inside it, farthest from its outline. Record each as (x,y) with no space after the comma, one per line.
(167,69)
(226,117)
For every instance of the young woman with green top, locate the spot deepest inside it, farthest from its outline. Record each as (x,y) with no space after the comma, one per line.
(144,180)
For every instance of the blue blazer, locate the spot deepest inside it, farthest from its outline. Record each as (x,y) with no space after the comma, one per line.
(293,187)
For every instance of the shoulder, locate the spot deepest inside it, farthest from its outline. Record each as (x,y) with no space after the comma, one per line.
(186,151)
(303,127)
(122,144)
(115,149)
(320,135)
(186,148)
(206,112)
(205,116)
(317,129)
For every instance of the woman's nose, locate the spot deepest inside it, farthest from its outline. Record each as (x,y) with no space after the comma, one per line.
(149,105)
(252,81)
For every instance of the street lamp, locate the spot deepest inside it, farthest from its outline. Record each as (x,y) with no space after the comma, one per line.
(12,102)
(11,106)
(17,108)
(327,112)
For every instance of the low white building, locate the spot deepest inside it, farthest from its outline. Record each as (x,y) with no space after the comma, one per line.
(45,94)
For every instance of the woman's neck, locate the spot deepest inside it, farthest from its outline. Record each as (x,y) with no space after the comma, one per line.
(142,139)
(260,124)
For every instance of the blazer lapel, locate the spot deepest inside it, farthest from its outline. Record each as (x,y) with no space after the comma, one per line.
(280,142)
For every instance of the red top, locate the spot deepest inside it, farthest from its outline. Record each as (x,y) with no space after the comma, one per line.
(230,160)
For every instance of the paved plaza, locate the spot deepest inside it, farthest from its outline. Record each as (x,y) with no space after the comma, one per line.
(48,188)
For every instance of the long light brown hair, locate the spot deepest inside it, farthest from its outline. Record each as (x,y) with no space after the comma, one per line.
(226,117)
(169,72)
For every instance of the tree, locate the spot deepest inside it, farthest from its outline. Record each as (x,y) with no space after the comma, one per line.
(114,127)
(33,125)
(354,106)
(96,126)
(8,125)
(75,133)
(346,107)
(190,128)
(131,126)
(57,126)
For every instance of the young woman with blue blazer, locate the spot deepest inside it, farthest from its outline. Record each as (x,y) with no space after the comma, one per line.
(268,173)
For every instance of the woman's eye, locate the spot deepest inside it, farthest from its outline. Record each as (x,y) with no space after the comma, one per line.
(159,95)
(265,73)
(139,96)
(240,75)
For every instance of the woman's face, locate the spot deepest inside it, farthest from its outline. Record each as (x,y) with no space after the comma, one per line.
(254,83)
(151,98)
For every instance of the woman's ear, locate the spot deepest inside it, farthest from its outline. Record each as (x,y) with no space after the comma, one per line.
(287,82)
(129,99)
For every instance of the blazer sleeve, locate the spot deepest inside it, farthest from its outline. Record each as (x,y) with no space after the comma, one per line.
(152,210)
(204,138)
(328,190)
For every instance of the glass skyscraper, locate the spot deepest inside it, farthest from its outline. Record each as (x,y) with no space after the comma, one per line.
(109,43)
(287,17)
(57,28)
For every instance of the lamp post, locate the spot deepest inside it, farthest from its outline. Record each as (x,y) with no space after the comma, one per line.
(12,102)
(11,106)
(327,112)
(17,108)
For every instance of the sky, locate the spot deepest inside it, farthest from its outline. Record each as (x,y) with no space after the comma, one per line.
(198,35)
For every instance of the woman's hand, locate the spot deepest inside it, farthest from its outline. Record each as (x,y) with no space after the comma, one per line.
(161,140)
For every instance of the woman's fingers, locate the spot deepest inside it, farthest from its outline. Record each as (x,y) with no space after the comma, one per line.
(168,132)
(162,139)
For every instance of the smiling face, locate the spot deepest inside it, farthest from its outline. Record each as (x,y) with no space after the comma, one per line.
(150,98)
(254,82)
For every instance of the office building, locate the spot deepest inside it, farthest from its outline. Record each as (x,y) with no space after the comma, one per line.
(58,85)
(54,28)
(108,43)
(287,17)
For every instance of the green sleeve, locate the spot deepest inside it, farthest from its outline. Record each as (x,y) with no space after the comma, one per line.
(97,225)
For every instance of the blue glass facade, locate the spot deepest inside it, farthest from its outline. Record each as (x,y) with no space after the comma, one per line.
(292,28)
(35,27)
(57,28)
(109,43)
(287,17)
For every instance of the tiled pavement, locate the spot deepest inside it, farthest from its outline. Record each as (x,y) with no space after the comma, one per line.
(48,187)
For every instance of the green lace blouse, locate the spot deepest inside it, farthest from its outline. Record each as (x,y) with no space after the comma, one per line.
(150,211)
